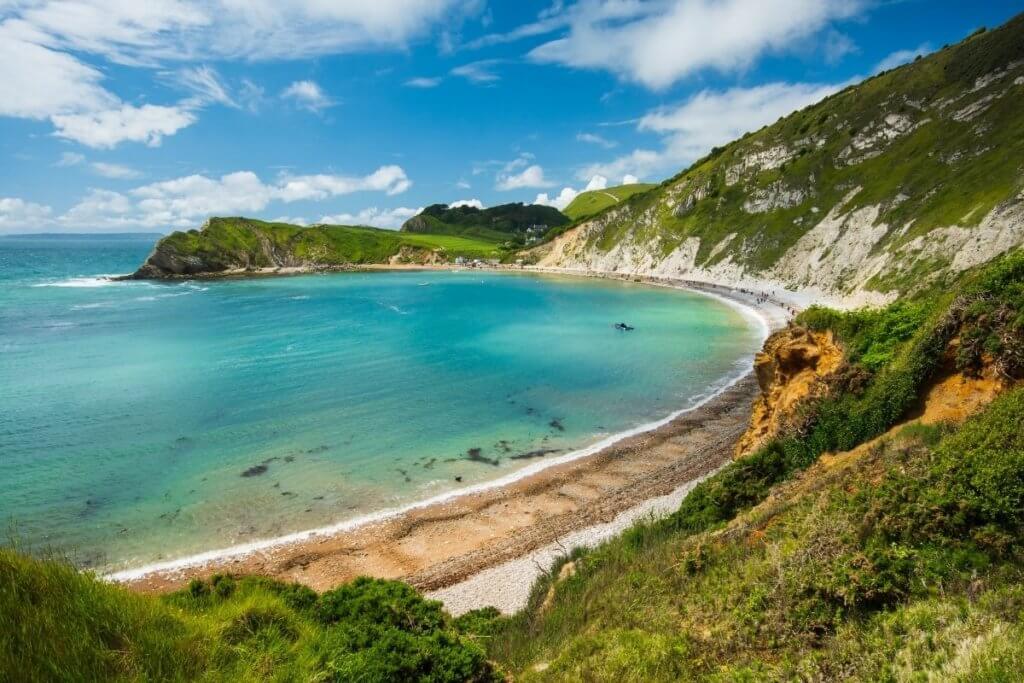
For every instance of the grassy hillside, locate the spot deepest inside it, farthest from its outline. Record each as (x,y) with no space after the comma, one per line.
(898,182)
(231,243)
(899,561)
(57,624)
(594,201)
(503,223)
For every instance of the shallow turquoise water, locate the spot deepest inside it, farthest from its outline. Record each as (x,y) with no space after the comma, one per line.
(130,413)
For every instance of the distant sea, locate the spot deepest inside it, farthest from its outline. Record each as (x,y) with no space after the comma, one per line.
(143,421)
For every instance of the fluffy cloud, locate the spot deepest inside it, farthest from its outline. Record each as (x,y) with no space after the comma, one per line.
(391,219)
(658,43)
(565,197)
(45,45)
(559,201)
(308,95)
(709,118)
(629,179)
(389,179)
(16,213)
(110,127)
(531,176)
(183,202)
(475,203)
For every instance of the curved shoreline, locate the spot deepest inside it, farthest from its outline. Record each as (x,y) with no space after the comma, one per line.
(262,556)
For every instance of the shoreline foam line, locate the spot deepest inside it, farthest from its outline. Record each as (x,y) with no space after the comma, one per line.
(202,559)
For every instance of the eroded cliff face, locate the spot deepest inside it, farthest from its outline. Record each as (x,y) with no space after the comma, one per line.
(792,367)
(889,187)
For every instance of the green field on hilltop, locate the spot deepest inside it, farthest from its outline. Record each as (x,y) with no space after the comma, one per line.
(594,201)
(244,242)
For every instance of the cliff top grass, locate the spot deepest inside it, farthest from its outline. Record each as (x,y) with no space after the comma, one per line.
(244,240)
(591,202)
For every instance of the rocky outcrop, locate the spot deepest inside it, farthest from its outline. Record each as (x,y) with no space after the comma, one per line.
(792,367)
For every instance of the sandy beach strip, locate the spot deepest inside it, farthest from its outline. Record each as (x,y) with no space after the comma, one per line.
(469,550)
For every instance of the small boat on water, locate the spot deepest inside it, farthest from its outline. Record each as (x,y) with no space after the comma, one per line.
(424,284)
(623,327)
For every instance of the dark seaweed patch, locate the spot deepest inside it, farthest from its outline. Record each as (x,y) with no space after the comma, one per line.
(255,470)
(476,455)
(539,453)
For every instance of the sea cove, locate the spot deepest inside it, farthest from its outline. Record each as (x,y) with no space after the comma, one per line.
(145,421)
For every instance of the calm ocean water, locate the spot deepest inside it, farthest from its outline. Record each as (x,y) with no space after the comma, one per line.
(145,421)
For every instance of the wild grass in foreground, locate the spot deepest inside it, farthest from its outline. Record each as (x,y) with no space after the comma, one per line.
(58,624)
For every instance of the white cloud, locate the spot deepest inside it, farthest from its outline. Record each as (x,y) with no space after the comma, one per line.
(707,119)
(629,179)
(531,176)
(901,57)
(659,43)
(71,159)
(156,30)
(559,201)
(45,47)
(593,139)
(565,197)
(480,72)
(109,127)
(463,185)
(184,202)
(16,213)
(206,86)
(389,179)
(99,210)
(391,219)
(475,203)
(308,95)
(37,82)
(115,171)
(423,82)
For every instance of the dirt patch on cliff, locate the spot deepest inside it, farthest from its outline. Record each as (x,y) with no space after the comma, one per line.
(791,368)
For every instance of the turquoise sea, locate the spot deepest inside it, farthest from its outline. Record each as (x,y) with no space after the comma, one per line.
(145,421)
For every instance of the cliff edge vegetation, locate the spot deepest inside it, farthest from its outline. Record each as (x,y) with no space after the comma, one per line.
(238,245)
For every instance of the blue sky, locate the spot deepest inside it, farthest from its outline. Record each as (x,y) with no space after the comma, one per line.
(120,115)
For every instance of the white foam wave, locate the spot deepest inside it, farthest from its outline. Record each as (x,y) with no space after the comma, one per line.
(103,280)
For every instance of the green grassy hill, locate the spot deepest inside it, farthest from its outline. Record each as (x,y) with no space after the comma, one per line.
(901,181)
(244,243)
(592,202)
(503,223)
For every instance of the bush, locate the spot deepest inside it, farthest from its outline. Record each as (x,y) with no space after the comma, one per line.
(377,603)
